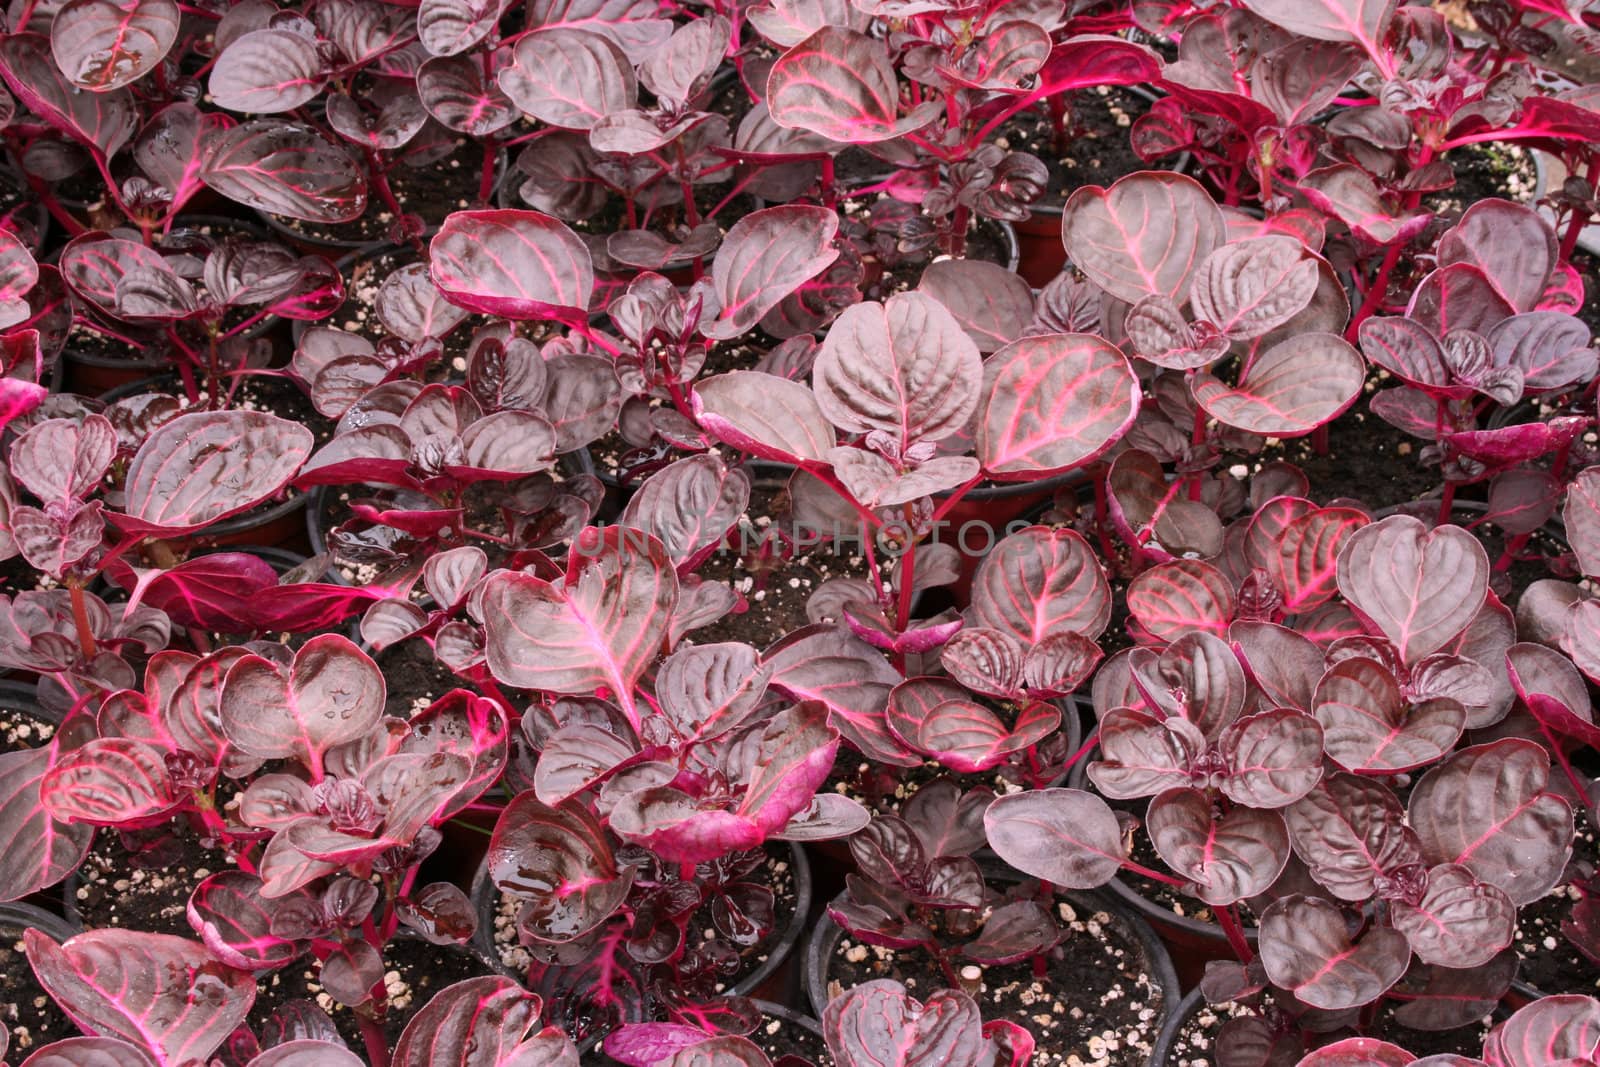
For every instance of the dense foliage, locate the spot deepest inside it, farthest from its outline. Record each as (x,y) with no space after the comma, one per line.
(994,449)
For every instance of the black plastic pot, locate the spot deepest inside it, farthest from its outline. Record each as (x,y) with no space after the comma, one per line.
(825,939)
(767,979)
(16,917)
(332,246)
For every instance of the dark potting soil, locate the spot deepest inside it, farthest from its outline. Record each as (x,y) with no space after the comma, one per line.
(886,789)
(413,677)
(1097,149)
(775,590)
(775,601)
(17,575)
(92,344)
(1098,1003)
(1588,268)
(1197,1040)
(20,729)
(26,1009)
(776,873)
(358,314)
(778,1036)
(985,241)
(1483,171)
(19,208)
(432,191)
(1550,962)
(1367,460)
(414,971)
(144,891)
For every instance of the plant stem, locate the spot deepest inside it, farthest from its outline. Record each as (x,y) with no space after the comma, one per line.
(372,1037)
(1228,919)
(80,616)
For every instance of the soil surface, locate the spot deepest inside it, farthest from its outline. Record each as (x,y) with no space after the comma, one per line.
(25,1008)
(1097,149)
(1099,1002)
(433,192)
(1196,1045)
(1550,962)
(358,312)
(20,729)
(414,971)
(143,891)
(1483,171)
(414,678)
(775,590)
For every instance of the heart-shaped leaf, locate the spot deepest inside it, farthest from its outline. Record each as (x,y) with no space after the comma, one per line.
(1039,582)
(1350,831)
(879,1023)
(479,1020)
(1307,949)
(599,629)
(765,257)
(162,993)
(102,121)
(1227,858)
(937,718)
(1251,287)
(39,850)
(450,27)
(330,694)
(1511,243)
(1369,724)
(765,415)
(992,304)
(110,781)
(234,920)
(1171,599)
(1052,403)
(268,71)
(840,84)
(1459,921)
(1291,389)
(102,45)
(203,467)
(903,368)
(287,169)
(1419,588)
(1487,809)
(1145,236)
(1550,1031)
(569,77)
(1274,757)
(852,679)
(561,858)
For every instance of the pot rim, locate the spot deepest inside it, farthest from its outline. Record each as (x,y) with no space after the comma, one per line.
(483,894)
(1158,960)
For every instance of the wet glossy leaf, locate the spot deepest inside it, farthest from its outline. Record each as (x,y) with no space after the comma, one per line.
(162,993)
